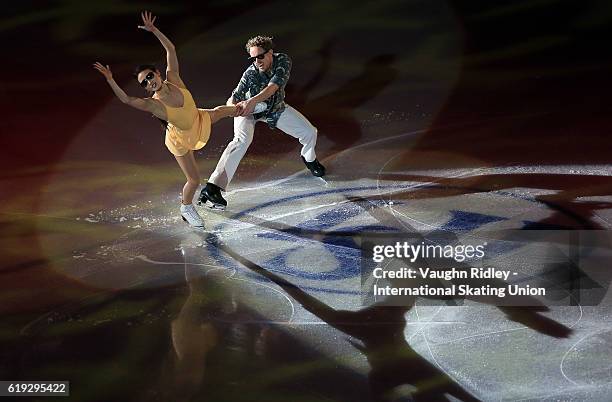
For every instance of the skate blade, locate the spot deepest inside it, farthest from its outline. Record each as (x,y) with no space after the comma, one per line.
(205,202)
(190,225)
(216,207)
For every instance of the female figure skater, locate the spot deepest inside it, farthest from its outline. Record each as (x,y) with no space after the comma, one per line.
(187,127)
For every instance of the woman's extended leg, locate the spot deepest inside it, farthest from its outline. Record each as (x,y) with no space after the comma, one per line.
(190,169)
(221,112)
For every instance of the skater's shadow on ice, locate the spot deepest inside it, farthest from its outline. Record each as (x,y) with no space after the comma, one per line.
(568,211)
(379,334)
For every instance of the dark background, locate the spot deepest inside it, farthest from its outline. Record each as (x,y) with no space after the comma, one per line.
(544,63)
(491,83)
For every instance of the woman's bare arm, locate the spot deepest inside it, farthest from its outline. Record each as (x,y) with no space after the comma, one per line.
(172,67)
(145,104)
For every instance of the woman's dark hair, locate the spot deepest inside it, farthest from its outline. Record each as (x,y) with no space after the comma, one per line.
(143,67)
(151,67)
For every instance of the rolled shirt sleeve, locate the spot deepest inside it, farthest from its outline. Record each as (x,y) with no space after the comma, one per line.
(281,70)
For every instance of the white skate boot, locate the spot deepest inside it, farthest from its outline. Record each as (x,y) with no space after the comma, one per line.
(191,216)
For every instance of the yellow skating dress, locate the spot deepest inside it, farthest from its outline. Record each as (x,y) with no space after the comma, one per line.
(188,127)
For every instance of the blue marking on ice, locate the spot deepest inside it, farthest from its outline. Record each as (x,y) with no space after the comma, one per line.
(342,248)
(462,220)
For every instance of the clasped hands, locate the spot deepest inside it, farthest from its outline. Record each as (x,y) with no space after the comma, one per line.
(244,108)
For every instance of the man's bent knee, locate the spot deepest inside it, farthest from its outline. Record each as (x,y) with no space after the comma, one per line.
(310,133)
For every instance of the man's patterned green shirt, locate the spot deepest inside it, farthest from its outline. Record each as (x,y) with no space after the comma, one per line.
(253,82)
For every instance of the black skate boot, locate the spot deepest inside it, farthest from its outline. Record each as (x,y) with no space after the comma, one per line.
(212,193)
(315,167)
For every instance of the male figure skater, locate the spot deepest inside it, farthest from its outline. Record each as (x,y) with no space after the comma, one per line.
(263,81)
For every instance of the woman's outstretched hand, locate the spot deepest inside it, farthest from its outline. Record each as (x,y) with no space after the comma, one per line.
(148,20)
(105,71)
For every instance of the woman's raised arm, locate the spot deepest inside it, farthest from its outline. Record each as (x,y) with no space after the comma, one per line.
(172,69)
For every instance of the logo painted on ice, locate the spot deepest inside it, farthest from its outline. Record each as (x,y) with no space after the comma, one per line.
(342,248)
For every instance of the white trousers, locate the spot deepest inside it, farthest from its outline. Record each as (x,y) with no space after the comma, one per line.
(291,122)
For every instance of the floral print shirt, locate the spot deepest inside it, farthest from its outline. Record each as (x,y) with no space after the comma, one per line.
(253,82)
